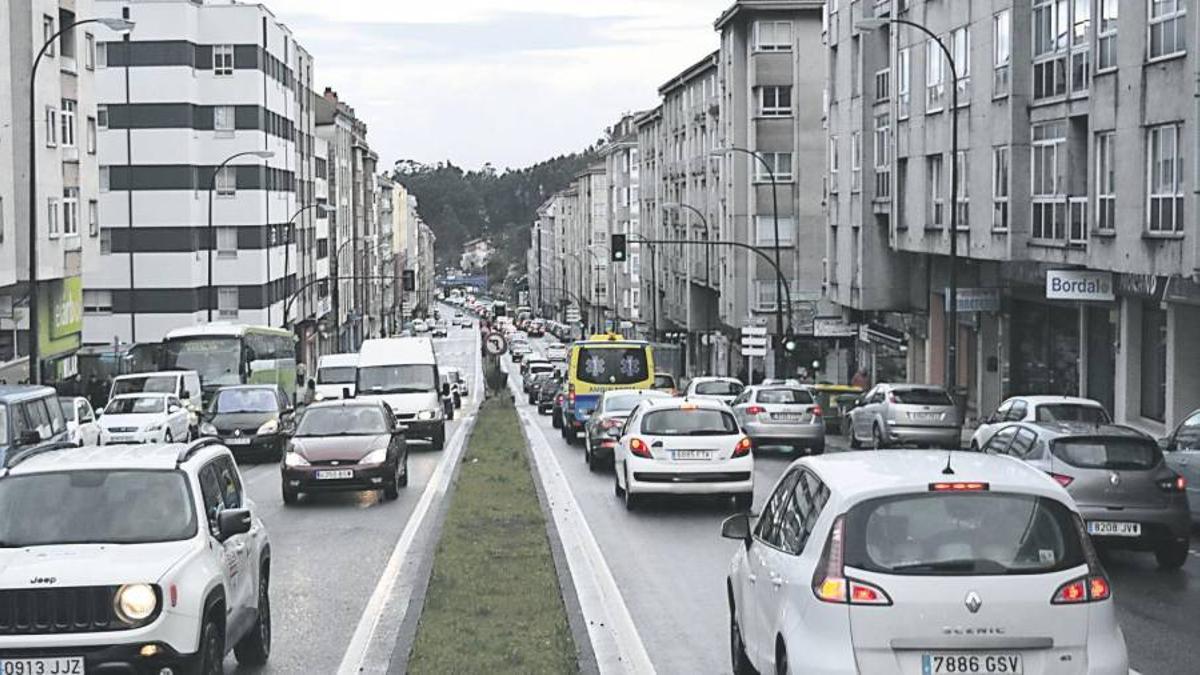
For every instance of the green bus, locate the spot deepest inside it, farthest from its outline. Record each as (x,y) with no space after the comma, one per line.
(227,354)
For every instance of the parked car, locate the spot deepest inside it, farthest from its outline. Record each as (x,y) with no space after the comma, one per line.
(603,428)
(977,566)
(1128,496)
(145,418)
(1040,409)
(30,417)
(252,419)
(723,389)
(666,382)
(345,446)
(890,415)
(781,415)
(82,426)
(1182,453)
(556,352)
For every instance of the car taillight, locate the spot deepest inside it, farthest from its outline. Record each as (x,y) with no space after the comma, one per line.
(1061,479)
(743,447)
(610,423)
(1173,484)
(638,447)
(959,486)
(830,583)
(862,593)
(755,410)
(816,411)
(1084,589)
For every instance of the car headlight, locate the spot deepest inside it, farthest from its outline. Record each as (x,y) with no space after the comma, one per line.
(375,457)
(207,429)
(135,602)
(294,458)
(268,427)
(427,415)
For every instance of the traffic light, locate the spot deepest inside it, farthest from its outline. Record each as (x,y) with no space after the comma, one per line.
(410,280)
(618,248)
(790,343)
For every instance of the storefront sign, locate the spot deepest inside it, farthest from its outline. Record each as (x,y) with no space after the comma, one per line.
(976,300)
(1082,285)
(1141,285)
(60,316)
(833,327)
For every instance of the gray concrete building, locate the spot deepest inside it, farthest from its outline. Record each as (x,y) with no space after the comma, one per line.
(623,178)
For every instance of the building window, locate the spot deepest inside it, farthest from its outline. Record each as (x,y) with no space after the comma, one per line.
(104,178)
(1167,28)
(1165,155)
(70,210)
(1106,49)
(1081,54)
(901,193)
(775,101)
(222,60)
(91,135)
(101,54)
(67,123)
(1001,53)
(223,118)
(855,67)
(227,242)
(780,163)
(93,217)
(227,302)
(764,295)
(935,77)
(833,164)
(773,36)
(937,194)
(52,217)
(106,241)
(883,156)
(1050,37)
(903,82)
(51,127)
(1154,362)
(962,169)
(856,161)
(1106,184)
(102,116)
(97,302)
(226,181)
(1049,183)
(764,230)
(960,46)
(89,51)
(1000,173)
(47,33)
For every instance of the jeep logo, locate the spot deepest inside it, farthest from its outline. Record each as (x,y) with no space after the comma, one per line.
(43,580)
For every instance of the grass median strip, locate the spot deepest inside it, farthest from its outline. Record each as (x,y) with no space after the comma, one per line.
(494,602)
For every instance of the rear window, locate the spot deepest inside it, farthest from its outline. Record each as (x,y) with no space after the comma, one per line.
(611,365)
(967,534)
(160,384)
(695,422)
(1072,412)
(1107,453)
(796,396)
(922,397)
(719,388)
(337,375)
(664,382)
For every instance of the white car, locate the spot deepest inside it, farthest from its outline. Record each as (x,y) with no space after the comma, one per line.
(919,562)
(420,326)
(1039,409)
(82,427)
(723,389)
(556,352)
(135,559)
(679,447)
(145,418)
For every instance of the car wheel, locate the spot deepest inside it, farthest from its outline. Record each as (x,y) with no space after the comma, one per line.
(570,434)
(403,481)
(737,648)
(852,440)
(209,660)
(290,496)
(555,420)
(255,648)
(632,501)
(617,489)
(818,449)
(781,660)
(974,446)
(391,489)
(877,442)
(1171,556)
(439,438)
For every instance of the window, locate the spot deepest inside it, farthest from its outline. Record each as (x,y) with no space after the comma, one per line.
(1154,362)
(67,123)
(800,515)
(47,33)
(855,67)
(106,242)
(883,161)
(764,228)
(226,181)
(1049,181)
(1001,53)
(1081,55)
(1050,40)
(102,55)
(960,46)
(104,178)
(1106,184)
(962,168)
(97,302)
(1106,44)
(833,165)
(93,217)
(780,163)
(935,77)
(937,194)
(1000,188)
(1167,30)
(903,83)
(222,60)
(227,302)
(227,242)
(70,209)
(775,101)
(1165,155)
(223,118)
(773,36)
(856,161)
(102,116)
(51,127)
(89,51)
(91,135)
(764,295)
(52,217)
(901,193)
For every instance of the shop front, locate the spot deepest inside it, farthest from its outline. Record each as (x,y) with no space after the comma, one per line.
(60,327)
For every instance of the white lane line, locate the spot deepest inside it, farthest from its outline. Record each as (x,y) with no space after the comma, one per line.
(371,645)
(615,638)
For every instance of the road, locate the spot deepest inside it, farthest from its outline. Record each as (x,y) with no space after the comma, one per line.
(670,563)
(329,551)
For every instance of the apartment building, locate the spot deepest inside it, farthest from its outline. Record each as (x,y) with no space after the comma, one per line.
(64,144)
(1076,236)
(623,175)
(544,274)
(426,272)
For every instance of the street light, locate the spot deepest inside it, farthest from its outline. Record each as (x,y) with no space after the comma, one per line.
(287,245)
(951,374)
(116,24)
(212,238)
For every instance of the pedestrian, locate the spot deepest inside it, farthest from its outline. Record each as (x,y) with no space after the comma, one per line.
(861,379)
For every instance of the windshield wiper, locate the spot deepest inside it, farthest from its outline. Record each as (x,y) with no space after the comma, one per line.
(956,565)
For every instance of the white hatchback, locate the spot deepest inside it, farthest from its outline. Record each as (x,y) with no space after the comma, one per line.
(145,418)
(1039,409)
(919,563)
(723,389)
(679,447)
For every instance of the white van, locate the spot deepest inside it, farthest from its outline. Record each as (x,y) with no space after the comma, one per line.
(336,373)
(184,384)
(403,373)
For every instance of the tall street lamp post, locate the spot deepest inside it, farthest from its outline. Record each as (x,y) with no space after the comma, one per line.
(113,23)
(335,289)
(212,237)
(287,246)
(951,374)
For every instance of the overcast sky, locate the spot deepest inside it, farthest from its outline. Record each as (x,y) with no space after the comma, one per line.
(509,82)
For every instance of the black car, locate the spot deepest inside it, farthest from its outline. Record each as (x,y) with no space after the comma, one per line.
(603,428)
(346,446)
(534,383)
(556,406)
(253,420)
(546,392)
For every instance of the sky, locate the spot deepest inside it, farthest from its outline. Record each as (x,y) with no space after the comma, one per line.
(506,82)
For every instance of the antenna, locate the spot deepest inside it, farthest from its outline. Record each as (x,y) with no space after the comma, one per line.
(949,470)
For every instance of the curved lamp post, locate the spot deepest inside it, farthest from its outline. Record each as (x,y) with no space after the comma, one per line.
(287,246)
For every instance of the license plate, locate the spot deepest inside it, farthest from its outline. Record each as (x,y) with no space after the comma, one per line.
(973,664)
(693,454)
(61,665)
(787,417)
(1111,529)
(237,440)
(925,416)
(340,474)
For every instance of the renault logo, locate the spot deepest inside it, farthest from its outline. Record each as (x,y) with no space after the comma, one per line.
(237,432)
(973,602)
(1114,478)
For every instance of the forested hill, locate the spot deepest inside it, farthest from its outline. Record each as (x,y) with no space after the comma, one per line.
(501,206)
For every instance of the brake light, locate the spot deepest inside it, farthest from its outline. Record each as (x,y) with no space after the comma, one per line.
(829,581)
(743,447)
(755,410)
(1084,589)
(638,447)
(688,406)
(959,486)
(816,411)
(1061,479)
(1098,589)
(610,423)
(862,593)
(1176,484)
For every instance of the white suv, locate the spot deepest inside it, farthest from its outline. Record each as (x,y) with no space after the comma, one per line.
(137,558)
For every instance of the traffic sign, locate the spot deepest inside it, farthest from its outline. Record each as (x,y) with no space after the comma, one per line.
(754,330)
(572,314)
(495,344)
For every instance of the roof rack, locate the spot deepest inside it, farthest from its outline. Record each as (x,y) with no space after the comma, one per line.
(18,457)
(195,446)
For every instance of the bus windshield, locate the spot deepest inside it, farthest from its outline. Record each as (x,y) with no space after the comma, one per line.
(218,360)
(623,365)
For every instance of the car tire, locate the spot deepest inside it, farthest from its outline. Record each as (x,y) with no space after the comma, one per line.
(570,434)
(632,501)
(617,489)
(403,481)
(851,439)
(439,438)
(739,661)
(974,446)
(167,438)
(391,489)
(290,496)
(210,657)
(1171,556)
(555,420)
(255,648)
(877,438)
(818,449)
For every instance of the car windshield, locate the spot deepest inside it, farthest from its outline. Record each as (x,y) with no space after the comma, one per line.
(719,388)
(1115,453)
(80,507)
(246,401)
(397,379)
(218,360)
(1072,412)
(1186,438)
(135,405)
(962,534)
(148,384)
(922,397)
(612,365)
(360,420)
(336,375)
(794,396)
(67,406)
(689,422)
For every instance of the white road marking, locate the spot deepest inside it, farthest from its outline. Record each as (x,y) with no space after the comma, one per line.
(371,645)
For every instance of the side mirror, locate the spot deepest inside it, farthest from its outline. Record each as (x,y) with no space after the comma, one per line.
(737,527)
(346,393)
(185,394)
(173,408)
(399,429)
(233,521)
(1165,444)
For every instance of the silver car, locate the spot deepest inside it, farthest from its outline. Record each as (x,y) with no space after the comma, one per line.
(781,415)
(905,414)
(1182,452)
